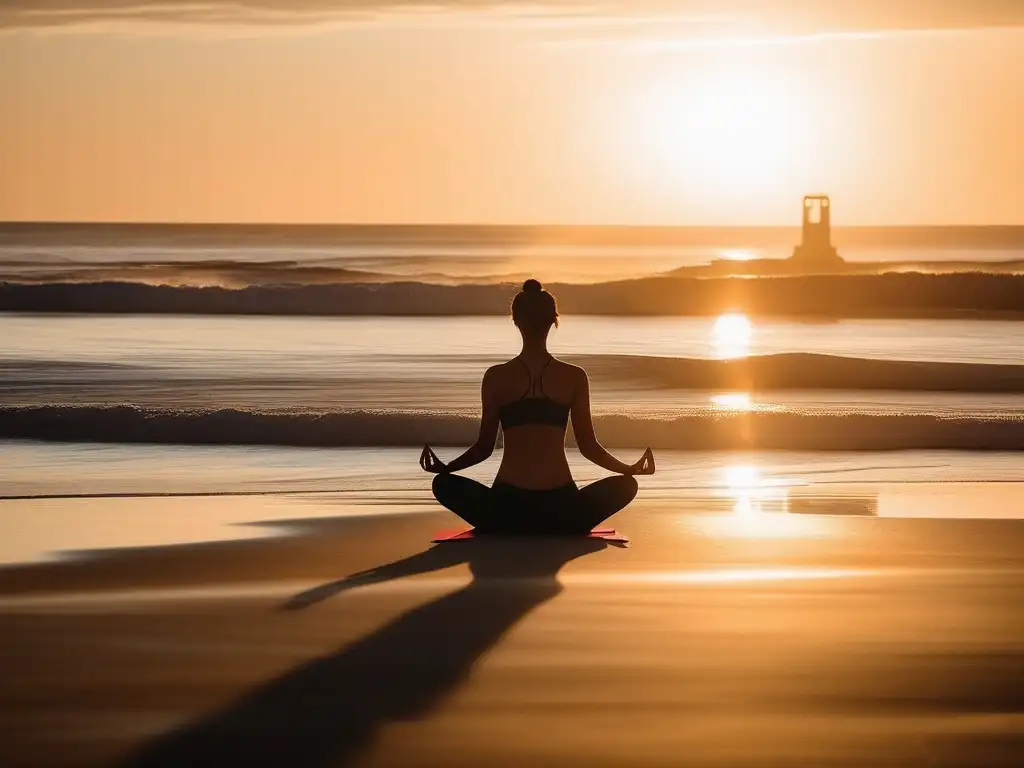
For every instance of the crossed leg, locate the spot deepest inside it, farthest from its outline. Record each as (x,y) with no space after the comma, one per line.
(470,500)
(602,499)
(479,506)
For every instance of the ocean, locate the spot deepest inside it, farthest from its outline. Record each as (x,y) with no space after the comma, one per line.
(145,400)
(240,256)
(378,335)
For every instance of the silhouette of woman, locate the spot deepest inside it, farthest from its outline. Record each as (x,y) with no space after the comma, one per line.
(532,397)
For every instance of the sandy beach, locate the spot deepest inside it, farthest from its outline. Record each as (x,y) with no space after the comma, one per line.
(351,640)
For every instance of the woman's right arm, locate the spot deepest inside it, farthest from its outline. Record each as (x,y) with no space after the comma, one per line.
(583,430)
(482,449)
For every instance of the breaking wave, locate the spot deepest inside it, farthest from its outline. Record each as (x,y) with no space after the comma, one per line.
(128,424)
(818,296)
(765,373)
(760,373)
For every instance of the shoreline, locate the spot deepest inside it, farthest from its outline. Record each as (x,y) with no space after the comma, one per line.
(742,501)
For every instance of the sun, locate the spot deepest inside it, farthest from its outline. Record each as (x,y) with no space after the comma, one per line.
(731,130)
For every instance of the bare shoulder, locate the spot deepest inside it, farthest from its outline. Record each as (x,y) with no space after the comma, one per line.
(492,374)
(500,370)
(501,375)
(578,374)
(574,376)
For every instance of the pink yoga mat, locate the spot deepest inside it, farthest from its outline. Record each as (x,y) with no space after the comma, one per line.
(463,534)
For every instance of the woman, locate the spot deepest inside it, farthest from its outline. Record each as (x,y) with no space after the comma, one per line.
(532,397)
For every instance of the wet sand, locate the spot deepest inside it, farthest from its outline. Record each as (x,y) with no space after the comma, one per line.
(714,639)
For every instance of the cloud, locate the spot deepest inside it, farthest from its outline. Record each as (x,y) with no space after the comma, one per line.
(773,17)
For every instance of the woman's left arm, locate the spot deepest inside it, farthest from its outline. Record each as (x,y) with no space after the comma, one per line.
(482,449)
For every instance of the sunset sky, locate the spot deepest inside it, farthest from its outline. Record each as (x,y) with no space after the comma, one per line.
(613,112)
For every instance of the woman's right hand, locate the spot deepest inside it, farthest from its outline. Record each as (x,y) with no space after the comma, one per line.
(430,463)
(645,466)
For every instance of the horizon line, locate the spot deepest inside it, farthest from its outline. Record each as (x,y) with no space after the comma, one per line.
(468,225)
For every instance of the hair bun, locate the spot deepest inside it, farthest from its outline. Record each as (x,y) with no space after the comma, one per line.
(532,286)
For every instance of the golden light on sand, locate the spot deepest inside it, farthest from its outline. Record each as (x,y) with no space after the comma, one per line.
(735,575)
(733,401)
(760,507)
(732,334)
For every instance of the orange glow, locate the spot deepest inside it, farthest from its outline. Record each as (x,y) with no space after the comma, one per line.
(469,115)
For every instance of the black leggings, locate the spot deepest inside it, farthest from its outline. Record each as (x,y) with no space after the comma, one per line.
(509,509)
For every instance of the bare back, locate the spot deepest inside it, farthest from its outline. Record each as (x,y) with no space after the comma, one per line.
(534,454)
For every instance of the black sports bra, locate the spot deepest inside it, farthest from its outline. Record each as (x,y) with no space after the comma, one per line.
(530,409)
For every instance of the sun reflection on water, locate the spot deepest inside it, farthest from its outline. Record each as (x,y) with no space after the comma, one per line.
(733,401)
(739,254)
(732,335)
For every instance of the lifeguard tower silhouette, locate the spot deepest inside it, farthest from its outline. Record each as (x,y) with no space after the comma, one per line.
(816,248)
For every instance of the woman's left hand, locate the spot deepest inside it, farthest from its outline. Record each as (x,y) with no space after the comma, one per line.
(645,466)
(430,463)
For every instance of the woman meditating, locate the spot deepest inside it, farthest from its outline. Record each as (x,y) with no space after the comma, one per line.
(532,397)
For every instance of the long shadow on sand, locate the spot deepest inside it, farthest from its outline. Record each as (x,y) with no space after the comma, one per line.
(327,711)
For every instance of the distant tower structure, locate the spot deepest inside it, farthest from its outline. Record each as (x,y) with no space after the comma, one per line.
(817,248)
